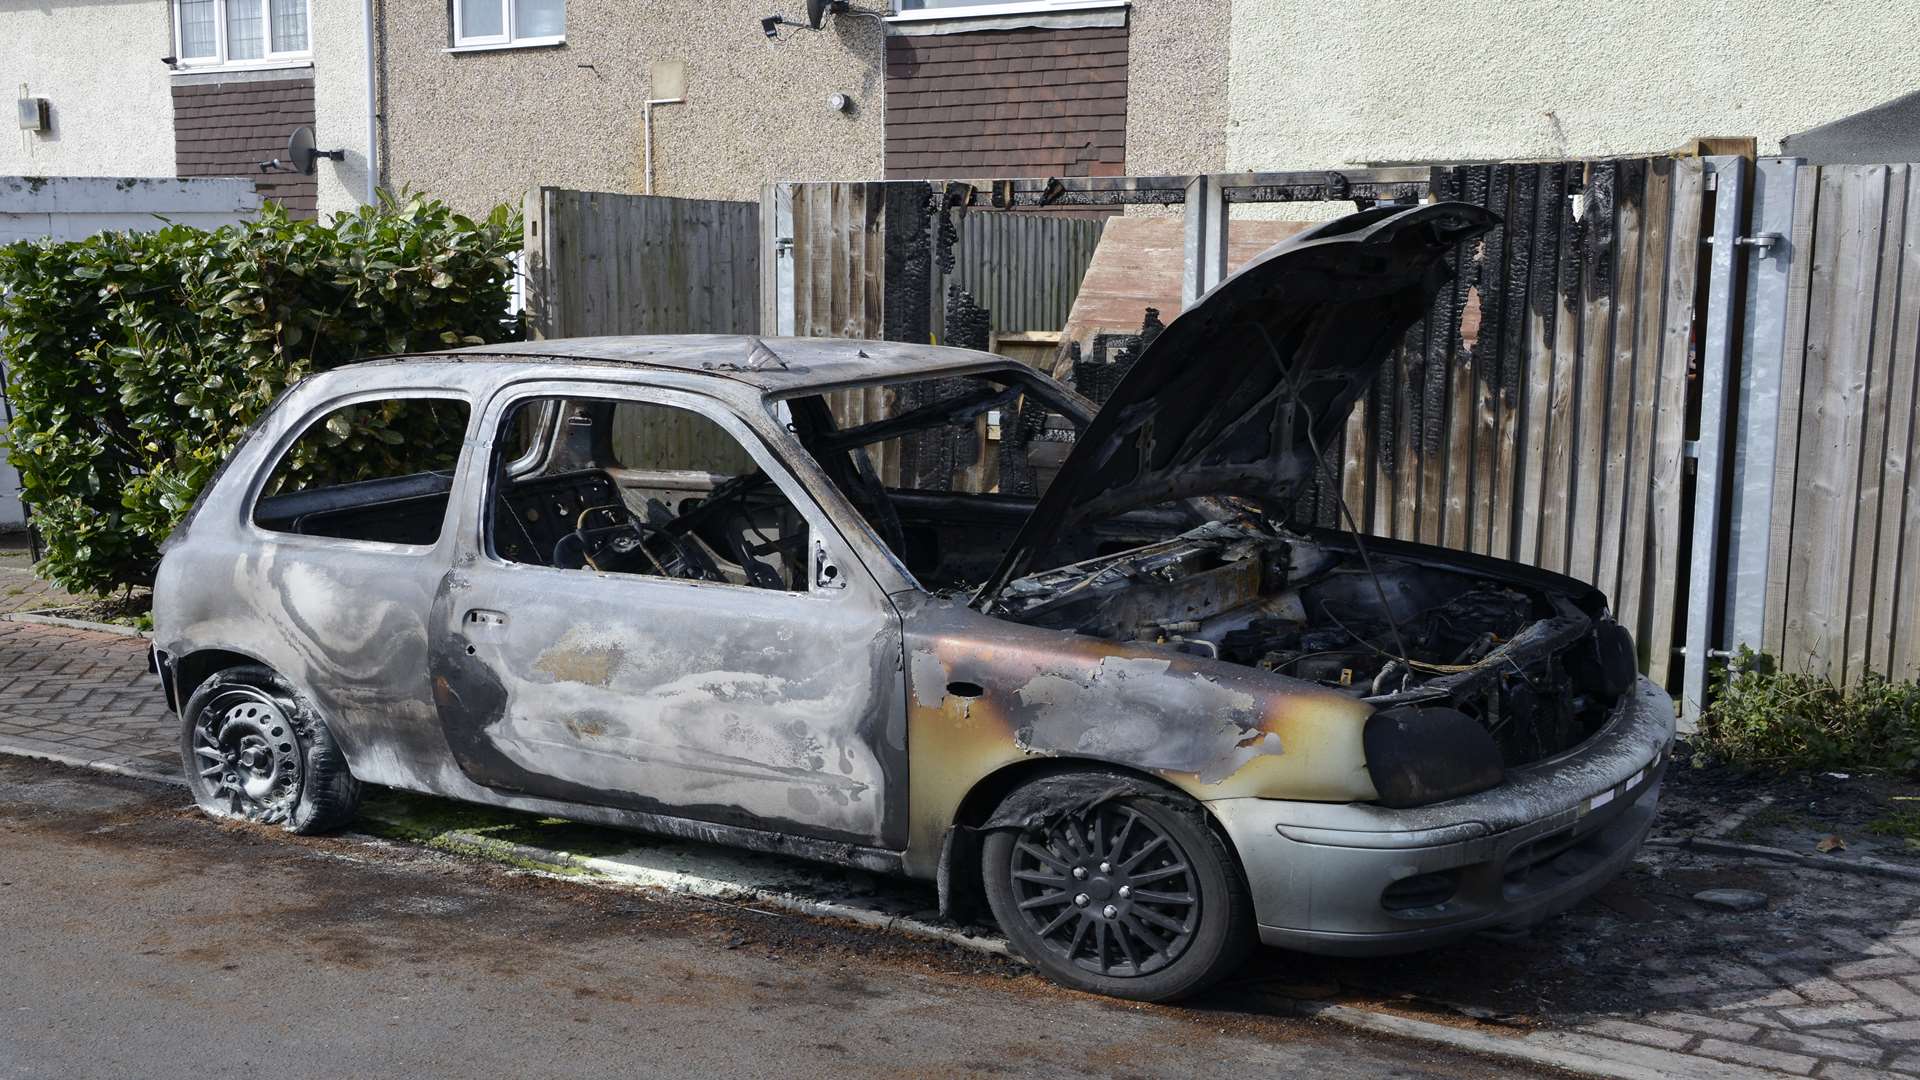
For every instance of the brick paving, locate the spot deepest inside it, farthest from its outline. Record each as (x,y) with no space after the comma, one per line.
(1823,983)
(21,591)
(83,694)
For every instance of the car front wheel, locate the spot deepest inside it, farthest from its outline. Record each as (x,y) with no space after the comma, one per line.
(1132,897)
(254,749)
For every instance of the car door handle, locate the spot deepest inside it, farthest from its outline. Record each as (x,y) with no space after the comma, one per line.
(482,617)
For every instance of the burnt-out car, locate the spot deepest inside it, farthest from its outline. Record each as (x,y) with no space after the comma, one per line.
(769,593)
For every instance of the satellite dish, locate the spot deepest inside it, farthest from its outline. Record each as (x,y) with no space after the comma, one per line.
(301,153)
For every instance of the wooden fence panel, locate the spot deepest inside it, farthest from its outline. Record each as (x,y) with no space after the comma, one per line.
(839,267)
(1841,585)
(603,263)
(1538,412)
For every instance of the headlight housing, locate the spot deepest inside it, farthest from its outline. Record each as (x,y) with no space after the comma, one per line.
(1423,754)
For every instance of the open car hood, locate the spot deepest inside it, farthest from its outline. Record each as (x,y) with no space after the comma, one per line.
(1237,392)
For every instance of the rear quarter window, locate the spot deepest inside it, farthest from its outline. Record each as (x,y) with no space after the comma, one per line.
(373,470)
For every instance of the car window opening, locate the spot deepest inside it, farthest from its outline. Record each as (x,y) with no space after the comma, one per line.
(374,470)
(631,487)
(945,470)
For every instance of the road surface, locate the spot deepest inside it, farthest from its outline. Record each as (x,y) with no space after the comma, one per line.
(139,939)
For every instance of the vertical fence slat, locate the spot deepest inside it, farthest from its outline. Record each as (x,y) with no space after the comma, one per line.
(1599,260)
(1486,359)
(1630,194)
(1669,424)
(1543,303)
(1516,279)
(1833,431)
(1565,369)
(1888,599)
(1631,602)
(1877,364)
(1792,379)
(1898,598)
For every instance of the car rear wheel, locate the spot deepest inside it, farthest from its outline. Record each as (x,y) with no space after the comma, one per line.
(255,750)
(1132,897)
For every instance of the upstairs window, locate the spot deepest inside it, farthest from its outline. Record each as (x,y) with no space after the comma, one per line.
(240,33)
(509,22)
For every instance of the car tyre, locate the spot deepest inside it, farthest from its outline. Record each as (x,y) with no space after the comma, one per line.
(255,750)
(1133,897)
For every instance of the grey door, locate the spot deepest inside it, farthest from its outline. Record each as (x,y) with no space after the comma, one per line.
(751,706)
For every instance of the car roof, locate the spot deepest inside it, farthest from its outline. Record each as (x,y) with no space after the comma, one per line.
(778,365)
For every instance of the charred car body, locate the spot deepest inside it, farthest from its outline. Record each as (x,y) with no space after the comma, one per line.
(665,583)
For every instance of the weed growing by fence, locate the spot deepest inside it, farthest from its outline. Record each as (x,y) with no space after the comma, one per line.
(136,361)
(1764,717)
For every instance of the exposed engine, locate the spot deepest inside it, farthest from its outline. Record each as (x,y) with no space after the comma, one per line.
(1533,668)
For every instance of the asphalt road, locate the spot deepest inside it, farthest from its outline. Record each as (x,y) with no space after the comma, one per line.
(138,939)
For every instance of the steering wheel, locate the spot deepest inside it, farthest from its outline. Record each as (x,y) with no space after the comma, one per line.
(611,540)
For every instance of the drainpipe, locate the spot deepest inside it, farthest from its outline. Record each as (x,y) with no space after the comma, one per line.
(373,105)
(646,137)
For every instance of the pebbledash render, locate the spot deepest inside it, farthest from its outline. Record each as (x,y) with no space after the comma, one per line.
(685,585)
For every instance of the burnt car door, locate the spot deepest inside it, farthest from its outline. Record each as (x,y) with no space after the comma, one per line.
(659,618)
(346,537)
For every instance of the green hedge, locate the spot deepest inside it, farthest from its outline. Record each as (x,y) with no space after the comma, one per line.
(1761,716)
(137,360)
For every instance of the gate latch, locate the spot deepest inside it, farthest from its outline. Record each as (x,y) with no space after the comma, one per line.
(1765,242)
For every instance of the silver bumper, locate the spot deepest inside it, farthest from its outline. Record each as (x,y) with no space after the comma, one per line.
(1547,838)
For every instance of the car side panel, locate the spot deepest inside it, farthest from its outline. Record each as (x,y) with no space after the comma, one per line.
(343,621)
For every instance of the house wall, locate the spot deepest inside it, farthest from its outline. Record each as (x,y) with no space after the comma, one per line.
(1177,75)
(479,128)
(98,63)
(339,104)
(1322,86)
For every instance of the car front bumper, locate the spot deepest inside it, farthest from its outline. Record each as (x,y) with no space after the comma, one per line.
(1551,835)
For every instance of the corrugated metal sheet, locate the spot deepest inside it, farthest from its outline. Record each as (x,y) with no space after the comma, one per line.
(1023,268)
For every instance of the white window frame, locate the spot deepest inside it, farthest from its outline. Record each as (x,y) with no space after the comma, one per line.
(986,8)
(505,39)
(219,62)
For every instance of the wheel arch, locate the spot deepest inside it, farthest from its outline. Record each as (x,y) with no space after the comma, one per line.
(196,667)
(962,892)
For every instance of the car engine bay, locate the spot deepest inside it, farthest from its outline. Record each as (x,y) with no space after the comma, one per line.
(1534,667)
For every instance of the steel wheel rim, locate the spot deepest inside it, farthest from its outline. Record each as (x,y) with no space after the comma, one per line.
(1108,891)
(246,756)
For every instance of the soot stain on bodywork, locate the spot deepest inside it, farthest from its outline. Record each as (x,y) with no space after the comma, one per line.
(1137,710)
(1202,727)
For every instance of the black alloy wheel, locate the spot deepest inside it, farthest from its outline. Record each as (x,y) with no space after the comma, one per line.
(1134,897)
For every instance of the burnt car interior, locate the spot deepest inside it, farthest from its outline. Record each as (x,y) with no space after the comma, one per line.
(631,487)
(623,487)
